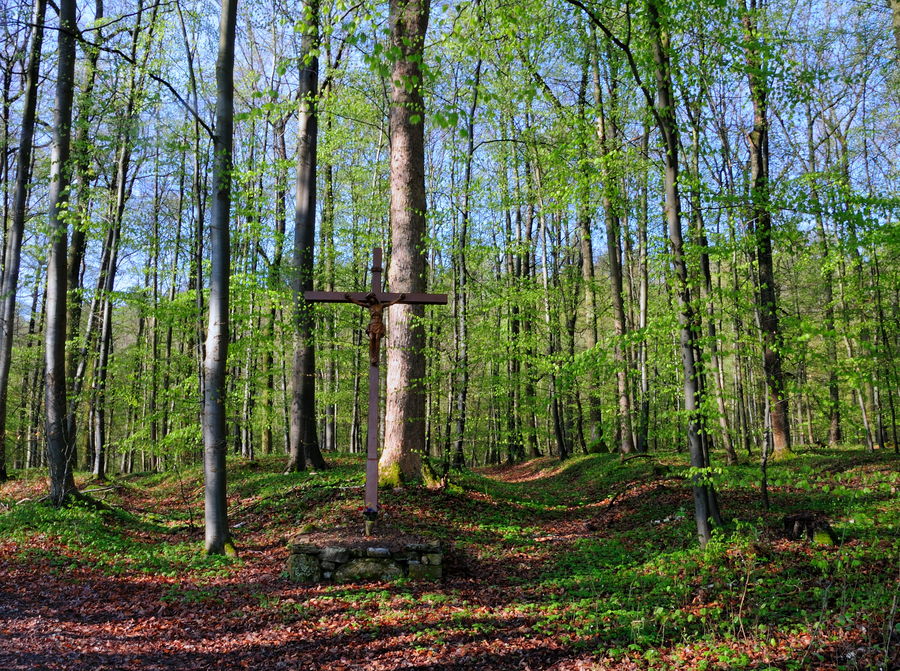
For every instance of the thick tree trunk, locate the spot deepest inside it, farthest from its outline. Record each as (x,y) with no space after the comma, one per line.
(404,431)
(761,225)
(62,484)
(304,435)
(15,232)
(218,540)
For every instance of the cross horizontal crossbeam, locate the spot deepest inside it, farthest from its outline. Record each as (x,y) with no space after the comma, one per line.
(381,296)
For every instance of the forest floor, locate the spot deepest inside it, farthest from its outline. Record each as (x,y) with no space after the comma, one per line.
(587,564)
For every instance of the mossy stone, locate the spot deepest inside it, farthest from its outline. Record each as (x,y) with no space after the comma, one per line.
(304,568)
(368,569)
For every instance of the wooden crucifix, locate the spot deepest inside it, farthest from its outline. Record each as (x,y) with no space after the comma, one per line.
(375,301)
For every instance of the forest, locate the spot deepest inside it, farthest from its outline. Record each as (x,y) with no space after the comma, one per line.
(667,230)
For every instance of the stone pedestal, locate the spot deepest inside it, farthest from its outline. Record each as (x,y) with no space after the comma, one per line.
(310,563)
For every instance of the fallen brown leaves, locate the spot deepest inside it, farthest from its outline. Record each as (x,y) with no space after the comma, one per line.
(58,612)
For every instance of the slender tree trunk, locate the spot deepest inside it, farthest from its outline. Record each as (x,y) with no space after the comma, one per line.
(827,287)
(596,440)
(154,334)
(562,448)
(98,400)
(515,450)
(218,540)
(23,438)
(195,284)
(82,180)
(665,115)
(121,190)
(706,296)
(275,276)
(642,438)
(328,254)
(15,232)
(462,295)
(62,484)
(31,403)
(404,427)
(895,21)
(761,225)
(607,143)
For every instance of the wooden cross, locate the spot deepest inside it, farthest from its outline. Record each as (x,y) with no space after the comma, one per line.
(375,301)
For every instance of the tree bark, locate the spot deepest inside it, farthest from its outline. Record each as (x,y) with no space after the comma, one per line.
(304,437)
(596,441)
(761,226)
(62,484)
(404,432)
(834,400)
(121,189)
(81,185)
(218,539)
(642,442)
(607,142)
(665,116)
(706,291)
(13,252)
(275,271)
(461,290)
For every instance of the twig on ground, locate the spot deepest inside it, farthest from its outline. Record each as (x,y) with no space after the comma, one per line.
(644,455)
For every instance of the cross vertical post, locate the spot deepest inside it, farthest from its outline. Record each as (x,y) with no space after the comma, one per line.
(372,426)
(375,301)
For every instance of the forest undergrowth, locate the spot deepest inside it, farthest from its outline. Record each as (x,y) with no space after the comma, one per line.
(589,563)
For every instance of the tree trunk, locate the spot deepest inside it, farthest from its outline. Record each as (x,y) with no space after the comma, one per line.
(328,254)
(121,190)
(761,226)
(515,450)
(706,290)
(62,484)
(665,116)
(13,252)
(275,276)
(596,441)
(895,20)
(82,180)
(607,142)
(642,438)
(461,295)
(218,540)
(404,432)
(827,287)
(304,437)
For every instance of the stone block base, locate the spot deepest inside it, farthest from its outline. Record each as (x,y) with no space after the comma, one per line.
(309,563)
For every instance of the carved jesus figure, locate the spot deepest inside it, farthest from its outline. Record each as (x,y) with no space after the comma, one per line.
(375,330)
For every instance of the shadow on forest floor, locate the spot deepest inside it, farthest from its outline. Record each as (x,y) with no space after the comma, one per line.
(590,563)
